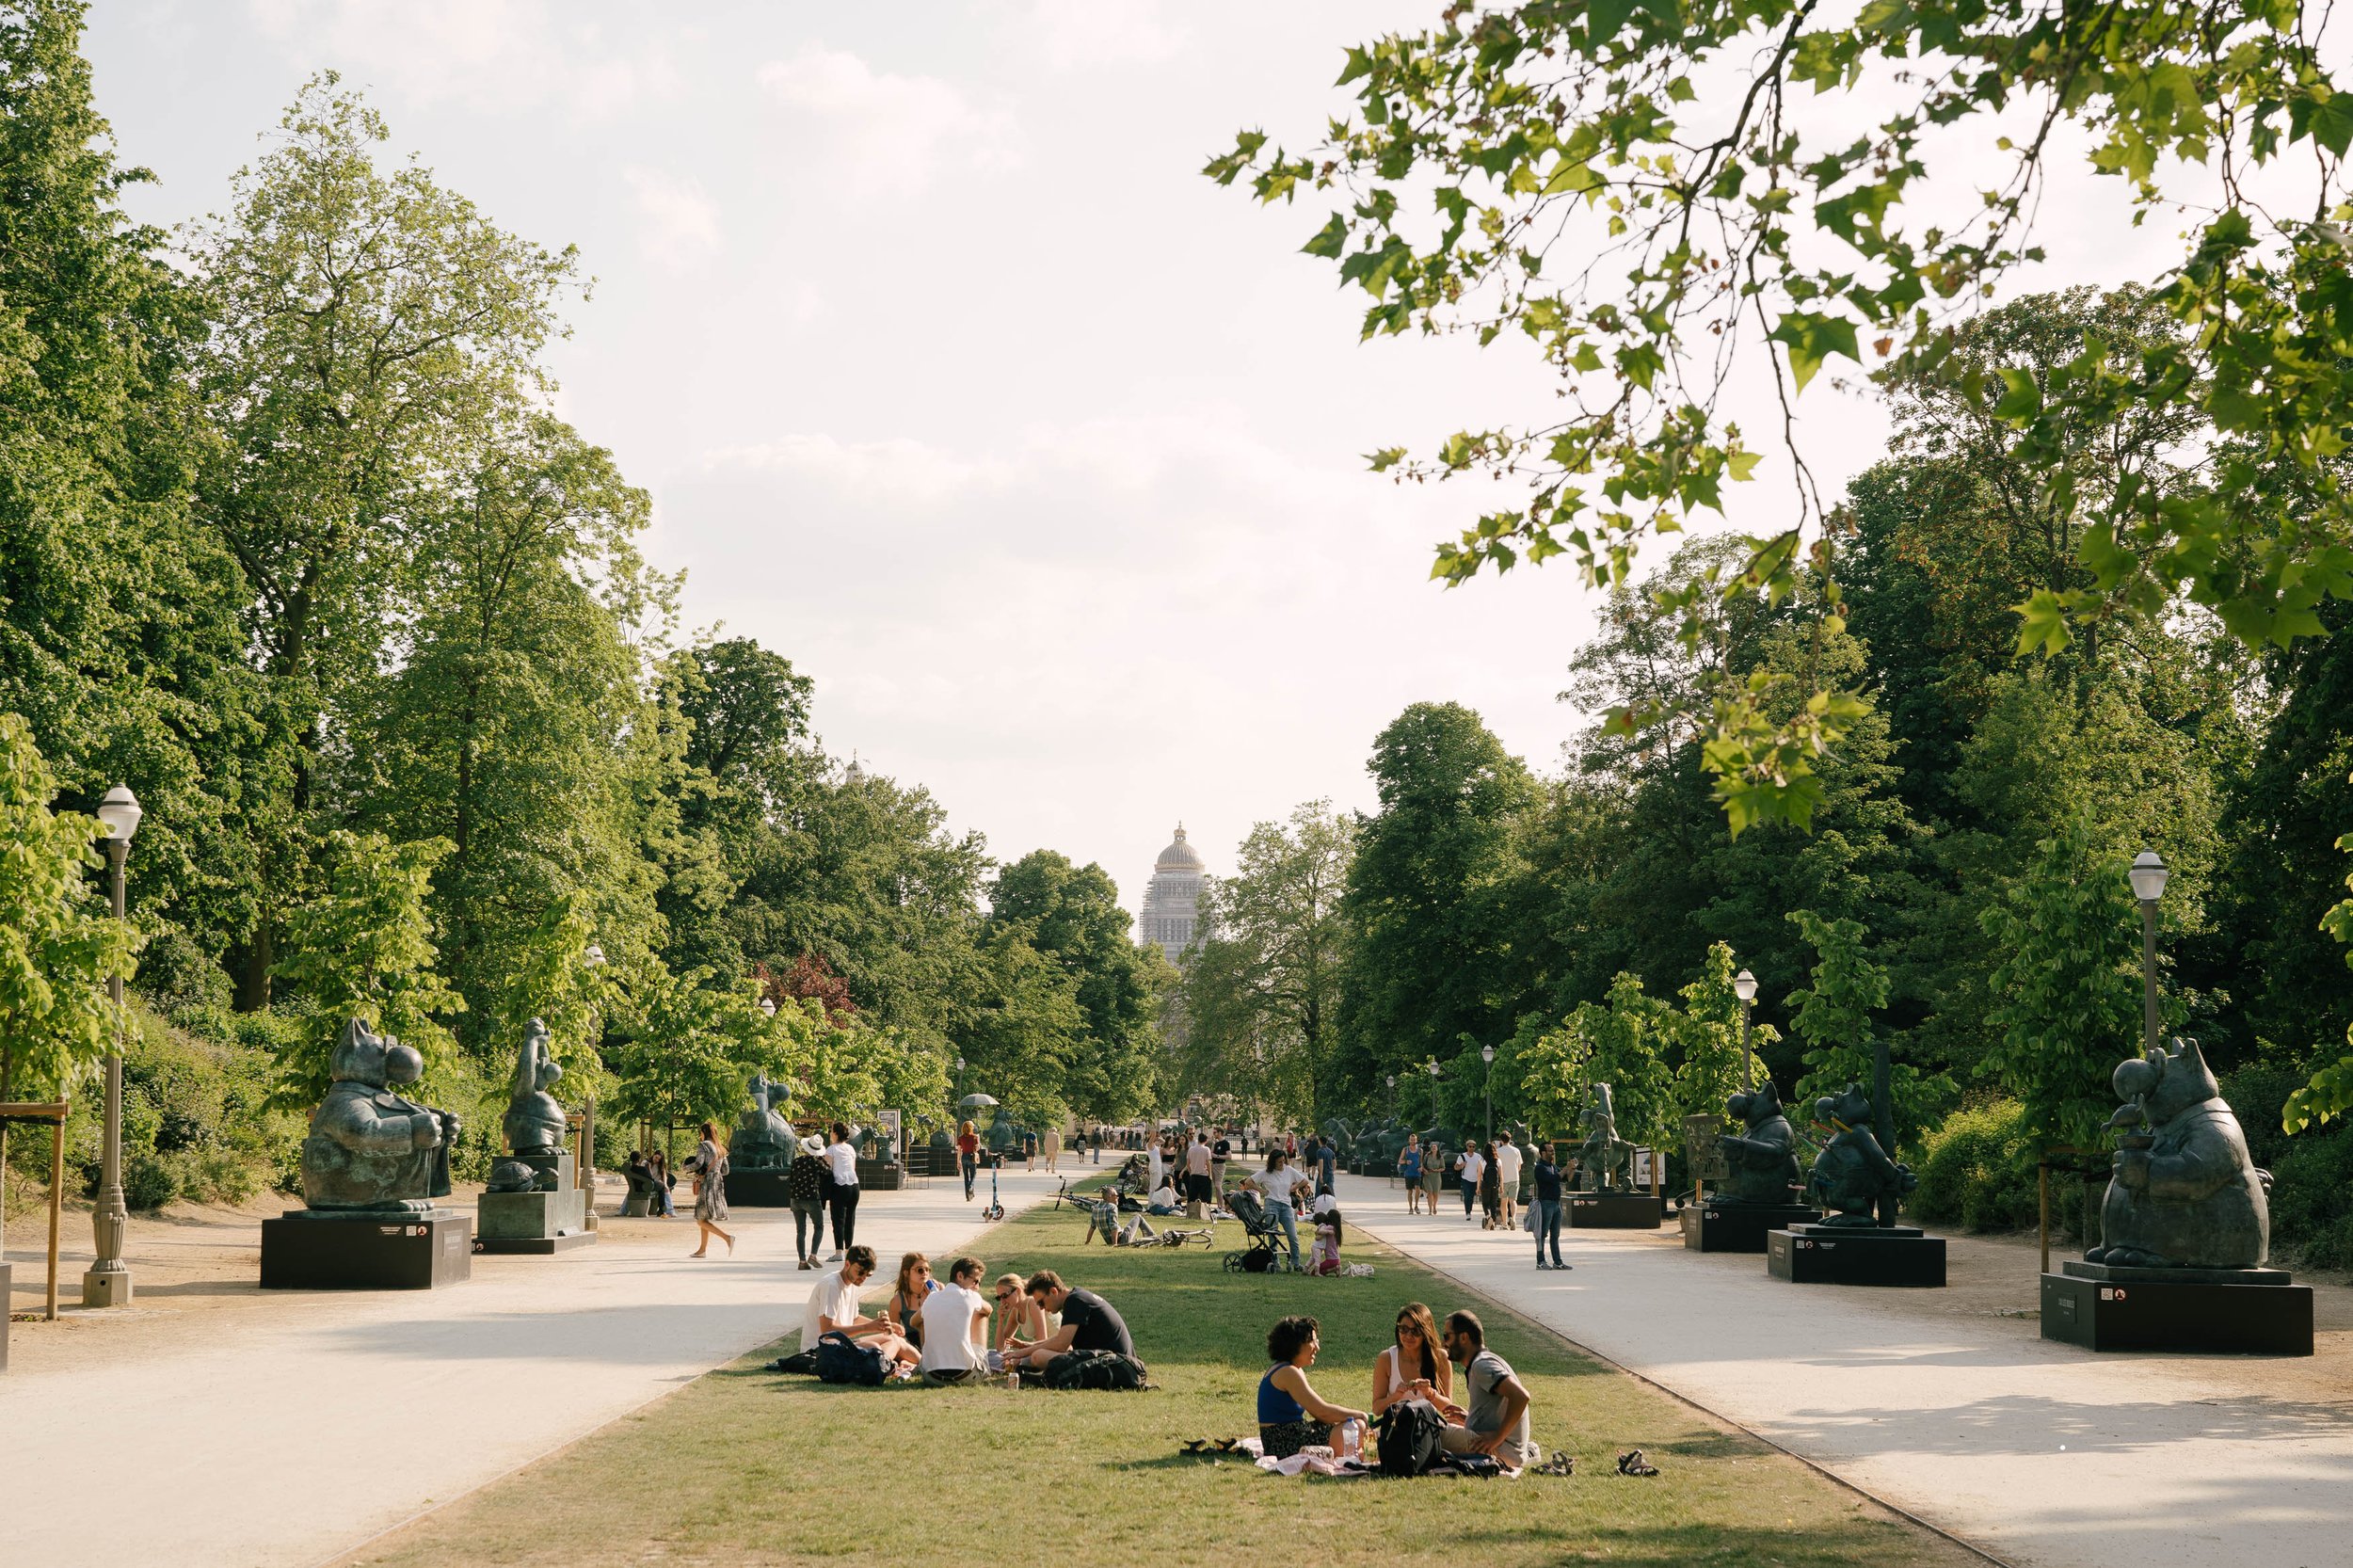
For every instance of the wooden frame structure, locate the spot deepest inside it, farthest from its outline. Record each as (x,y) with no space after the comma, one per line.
(52,1114)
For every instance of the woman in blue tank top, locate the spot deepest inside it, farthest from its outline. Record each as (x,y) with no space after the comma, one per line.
(1290,1413)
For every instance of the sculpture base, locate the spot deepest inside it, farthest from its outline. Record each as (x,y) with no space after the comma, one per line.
(1616,1211)
(531,1217)
(1713,1226)
(7,1276)
(750,1188)
(1855,1255)
(2249,1318)
(2125,1273)
(536,1246)
(315,1249)
(877,1177)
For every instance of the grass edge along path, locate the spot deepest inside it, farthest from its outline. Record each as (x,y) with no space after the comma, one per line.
(745,1465)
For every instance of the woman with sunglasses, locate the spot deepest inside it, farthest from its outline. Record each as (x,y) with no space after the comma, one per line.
(1021,1321)
(906,1307)
(1415,1366)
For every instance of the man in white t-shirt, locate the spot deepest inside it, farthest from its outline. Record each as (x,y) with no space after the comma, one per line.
(956,1325)
(833,1309)
(1507,1178)
(842,1187)
(1472,1165)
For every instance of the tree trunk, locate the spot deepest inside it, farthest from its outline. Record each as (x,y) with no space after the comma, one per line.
(253,985)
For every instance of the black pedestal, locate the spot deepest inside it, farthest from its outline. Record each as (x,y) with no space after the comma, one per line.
(1616,1211)
(2161,1315)
(540,1246)
(419,1254)
(750,1188)
(876,1177)
(1855,1255)
(1740,1226)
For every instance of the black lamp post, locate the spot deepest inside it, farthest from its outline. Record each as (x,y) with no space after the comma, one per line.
(2149,874)
(1487,1054)
(1744,987)
(109,1281)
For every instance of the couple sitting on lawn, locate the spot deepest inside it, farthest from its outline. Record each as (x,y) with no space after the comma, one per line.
(942,1330)
(1419,1364)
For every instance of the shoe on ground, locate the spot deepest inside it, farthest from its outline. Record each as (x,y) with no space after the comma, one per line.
(1542,1264)
(834,1256)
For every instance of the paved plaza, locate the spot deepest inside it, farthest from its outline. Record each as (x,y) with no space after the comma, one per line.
(2040,1453)
(238,1454)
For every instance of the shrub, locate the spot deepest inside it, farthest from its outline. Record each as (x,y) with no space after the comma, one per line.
(150,1179)
(1978,1169)
(2312,1173)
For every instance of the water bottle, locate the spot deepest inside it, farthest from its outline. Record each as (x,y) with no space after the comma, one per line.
(1351,1438)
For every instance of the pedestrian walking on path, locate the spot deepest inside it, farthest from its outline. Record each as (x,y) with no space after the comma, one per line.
(968,1157)
(1469,1167)
(1508,1160)
(1409,1169)
(711,1192)
(841,1170)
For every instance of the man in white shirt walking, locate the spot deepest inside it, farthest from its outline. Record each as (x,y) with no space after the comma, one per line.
(1472,1165)
(1507,1178)
(842,1196)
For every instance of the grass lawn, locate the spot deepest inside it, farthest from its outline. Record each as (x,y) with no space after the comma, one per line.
(748,1467)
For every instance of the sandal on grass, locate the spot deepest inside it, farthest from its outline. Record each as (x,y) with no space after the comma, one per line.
(1632,1464)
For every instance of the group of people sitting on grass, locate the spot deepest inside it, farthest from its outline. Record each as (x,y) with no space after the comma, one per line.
(949,1331)
(1419,1364)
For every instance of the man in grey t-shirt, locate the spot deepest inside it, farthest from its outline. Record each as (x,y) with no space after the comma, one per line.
(1495,1412)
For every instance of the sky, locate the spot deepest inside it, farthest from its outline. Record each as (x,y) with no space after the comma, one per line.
(954,381)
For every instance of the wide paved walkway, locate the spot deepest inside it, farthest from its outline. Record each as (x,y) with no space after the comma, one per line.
(299,1433)
(2039,1453)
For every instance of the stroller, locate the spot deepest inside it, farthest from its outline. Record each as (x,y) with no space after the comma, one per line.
(1268,1251)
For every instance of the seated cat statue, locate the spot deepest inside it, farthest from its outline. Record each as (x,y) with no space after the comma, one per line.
(372,1149)
(2184,1194)
(1852,1177)
(1764,1156)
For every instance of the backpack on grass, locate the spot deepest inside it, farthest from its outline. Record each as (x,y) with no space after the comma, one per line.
(803,1363)
(1258,1260)
(1409,1441)
(842,1359)
(1105,1369)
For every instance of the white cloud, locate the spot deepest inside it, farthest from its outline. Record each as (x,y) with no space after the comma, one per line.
(680,223)
(882,128)
(491,56)
(1074,34)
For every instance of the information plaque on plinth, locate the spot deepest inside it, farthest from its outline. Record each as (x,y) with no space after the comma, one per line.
(420,1250)
(1709,1226)
(752,1189)
(1616,1211)
(1855,1255)
(2231,1311)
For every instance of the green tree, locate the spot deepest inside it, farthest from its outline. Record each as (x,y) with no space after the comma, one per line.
(682,1047)
(367,329)
(1626,1042)
(58,945)
(1492,157)
(1708,1068)
(1071,915)
(2330,1091)
(1018,1022)
(2070,989)
(1834,1015)
(364,949)
(1431,956)
(1259,1004)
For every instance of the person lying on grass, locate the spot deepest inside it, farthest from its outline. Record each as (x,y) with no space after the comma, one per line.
(1290,1413)
(1088,1323)
(1497,1422)
(833,1309)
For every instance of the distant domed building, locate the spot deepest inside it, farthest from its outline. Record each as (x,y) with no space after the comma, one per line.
(1172,899)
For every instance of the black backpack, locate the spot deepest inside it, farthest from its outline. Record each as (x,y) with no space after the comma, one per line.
(1258,1260)
(801,1362)
(1095,1369)
(842,1359)
(1409,1441)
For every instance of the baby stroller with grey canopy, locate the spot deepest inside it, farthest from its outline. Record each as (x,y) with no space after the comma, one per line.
(1268,1251)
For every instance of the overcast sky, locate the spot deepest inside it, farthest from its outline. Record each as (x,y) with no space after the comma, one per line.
(953,381)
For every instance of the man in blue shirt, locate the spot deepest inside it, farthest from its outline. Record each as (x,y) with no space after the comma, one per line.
(1547,1204)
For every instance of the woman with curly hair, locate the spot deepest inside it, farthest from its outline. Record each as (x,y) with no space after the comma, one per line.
(1291,1415)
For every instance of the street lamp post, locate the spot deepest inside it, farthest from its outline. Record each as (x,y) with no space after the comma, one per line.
(108,1282)
(1487,1054)
(1392,1097)
(1744,987)
(2149,874)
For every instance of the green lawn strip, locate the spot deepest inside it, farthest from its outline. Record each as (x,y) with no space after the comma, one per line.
(746,1465)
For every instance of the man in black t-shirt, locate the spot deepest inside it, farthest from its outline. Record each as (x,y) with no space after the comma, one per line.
(1088,1323)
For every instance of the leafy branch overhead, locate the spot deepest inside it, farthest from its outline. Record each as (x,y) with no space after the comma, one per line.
(1642,188)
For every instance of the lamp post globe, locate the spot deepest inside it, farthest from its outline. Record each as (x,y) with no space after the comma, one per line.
(768,1007)
(2149,876)
(593,955)
(109,1281)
